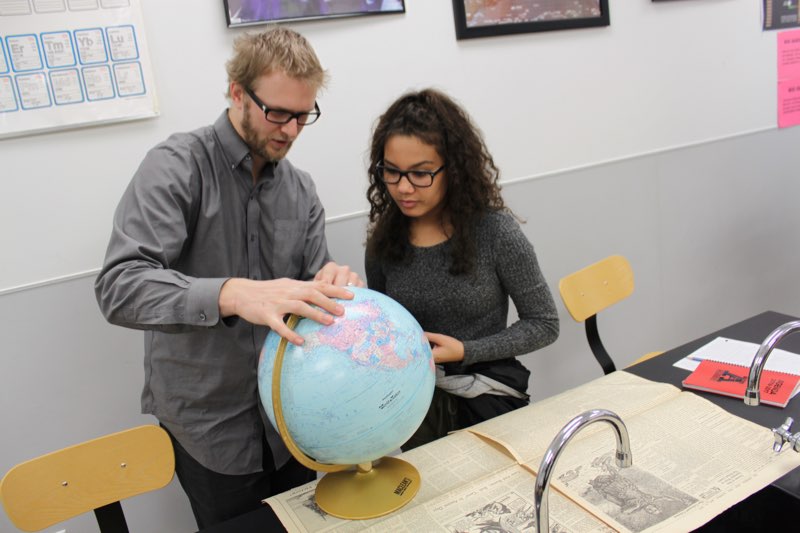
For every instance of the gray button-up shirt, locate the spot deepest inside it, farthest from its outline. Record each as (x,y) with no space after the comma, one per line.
(190,219)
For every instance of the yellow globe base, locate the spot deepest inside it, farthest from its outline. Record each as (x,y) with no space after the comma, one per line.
(369,491)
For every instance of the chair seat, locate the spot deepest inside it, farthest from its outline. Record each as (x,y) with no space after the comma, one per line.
(645,357)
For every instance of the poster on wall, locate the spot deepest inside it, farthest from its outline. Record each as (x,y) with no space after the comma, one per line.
(486,18)
(780,14)
(72,63)
(788,78)
(251,12)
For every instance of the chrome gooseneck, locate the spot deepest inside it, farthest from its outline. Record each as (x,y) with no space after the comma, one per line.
(751,395)
(623,457)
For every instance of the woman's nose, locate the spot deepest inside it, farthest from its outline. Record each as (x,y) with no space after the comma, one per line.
(404,185)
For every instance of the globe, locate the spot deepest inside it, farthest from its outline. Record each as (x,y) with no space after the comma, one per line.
(356,389)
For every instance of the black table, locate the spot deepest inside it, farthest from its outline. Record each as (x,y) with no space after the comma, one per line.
(776,505)
(754,329)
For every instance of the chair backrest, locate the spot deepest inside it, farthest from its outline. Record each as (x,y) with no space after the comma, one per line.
(93,475)
(596,287)
(592,289)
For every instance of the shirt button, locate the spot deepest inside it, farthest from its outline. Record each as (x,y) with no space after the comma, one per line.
(202,316)
(252,237)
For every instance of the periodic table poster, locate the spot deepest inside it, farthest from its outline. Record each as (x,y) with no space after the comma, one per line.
(71,63)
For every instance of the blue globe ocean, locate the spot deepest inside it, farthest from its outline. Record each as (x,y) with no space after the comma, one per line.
(357,389)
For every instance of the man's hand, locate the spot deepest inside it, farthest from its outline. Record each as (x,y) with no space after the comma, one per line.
(268,302)
(338,275)
(445,349)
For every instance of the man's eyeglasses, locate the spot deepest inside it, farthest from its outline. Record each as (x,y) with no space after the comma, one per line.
(417,178)
(280,116)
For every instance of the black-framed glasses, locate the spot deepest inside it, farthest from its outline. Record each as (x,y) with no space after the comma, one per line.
(281,116)
(417,178)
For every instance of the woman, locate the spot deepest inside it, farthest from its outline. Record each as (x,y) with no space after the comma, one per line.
(442,243)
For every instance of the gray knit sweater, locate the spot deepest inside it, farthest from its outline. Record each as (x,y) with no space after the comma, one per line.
(473,307)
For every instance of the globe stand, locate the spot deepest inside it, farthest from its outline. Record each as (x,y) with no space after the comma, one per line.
(352,492)
(368,493)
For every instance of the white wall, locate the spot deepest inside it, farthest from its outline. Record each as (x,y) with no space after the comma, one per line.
(662,75)
(654,137)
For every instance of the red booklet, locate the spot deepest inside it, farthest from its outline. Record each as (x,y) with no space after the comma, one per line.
(776,388)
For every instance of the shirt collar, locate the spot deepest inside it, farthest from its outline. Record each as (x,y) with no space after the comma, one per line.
(236,150)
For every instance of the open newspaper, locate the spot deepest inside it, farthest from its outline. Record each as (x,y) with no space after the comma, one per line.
(691,461)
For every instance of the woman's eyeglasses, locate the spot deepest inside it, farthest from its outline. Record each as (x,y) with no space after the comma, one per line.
(417,178)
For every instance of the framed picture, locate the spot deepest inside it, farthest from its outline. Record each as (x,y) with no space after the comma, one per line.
(781,14)
(252,12)
(485,18)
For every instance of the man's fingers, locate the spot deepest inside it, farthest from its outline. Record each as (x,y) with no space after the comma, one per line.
(303,309)
(286,332)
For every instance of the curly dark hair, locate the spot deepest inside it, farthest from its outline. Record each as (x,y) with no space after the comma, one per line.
(472,177)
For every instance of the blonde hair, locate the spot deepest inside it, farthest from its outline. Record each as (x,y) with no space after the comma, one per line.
(276,49)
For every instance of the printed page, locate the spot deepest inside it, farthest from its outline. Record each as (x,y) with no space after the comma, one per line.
(691,461)
(740,353)
(527,432)
(501,502)
(445,465)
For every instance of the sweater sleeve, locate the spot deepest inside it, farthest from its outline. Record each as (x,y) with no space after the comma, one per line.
(519,273)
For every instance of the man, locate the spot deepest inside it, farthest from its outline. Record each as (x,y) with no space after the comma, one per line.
(217,236)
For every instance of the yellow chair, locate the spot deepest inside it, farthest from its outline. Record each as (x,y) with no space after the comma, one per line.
(590,290)
(92,476)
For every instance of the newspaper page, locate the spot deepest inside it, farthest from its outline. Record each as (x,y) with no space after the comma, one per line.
(500,501)
(444,465)
(691,461)
(527,432)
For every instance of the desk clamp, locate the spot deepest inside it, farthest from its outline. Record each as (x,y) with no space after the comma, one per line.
(783,435)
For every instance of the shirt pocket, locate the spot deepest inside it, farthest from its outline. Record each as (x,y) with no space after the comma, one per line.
(286,257)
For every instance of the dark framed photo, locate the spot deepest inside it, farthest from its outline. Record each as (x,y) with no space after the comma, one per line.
(253,12)
(485,18)
(781,14)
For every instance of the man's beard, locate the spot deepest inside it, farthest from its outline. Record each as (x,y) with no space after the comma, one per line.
(259,145)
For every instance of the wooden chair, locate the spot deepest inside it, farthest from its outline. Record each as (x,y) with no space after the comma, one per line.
(590,290)
(91,476)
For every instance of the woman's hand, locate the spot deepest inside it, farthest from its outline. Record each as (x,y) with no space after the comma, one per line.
(339,275)
(445,349)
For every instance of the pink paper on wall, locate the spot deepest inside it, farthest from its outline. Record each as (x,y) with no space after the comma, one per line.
(788,103)
(788,78)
